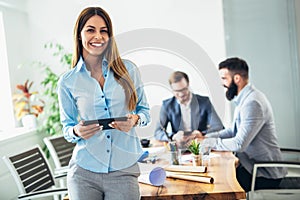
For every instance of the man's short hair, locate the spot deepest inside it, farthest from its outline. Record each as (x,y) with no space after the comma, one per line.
(235,66)
(177,76)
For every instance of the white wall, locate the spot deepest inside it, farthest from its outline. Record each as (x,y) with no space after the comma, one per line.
(201,21)
(6,106)
(17,38)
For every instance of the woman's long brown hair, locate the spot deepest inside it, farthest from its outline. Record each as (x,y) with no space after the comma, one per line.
(111,53)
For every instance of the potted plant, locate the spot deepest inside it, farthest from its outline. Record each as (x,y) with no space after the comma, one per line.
(194,148)
(27,105)
(52,125)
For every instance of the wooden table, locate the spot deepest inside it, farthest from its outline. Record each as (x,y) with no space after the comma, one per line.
(225,186)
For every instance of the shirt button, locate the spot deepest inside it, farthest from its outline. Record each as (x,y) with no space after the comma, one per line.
(107,151)
(108,136)
(105,108)
(105,75)
(102,96)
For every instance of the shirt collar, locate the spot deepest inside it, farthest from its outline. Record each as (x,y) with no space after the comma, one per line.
(237,99)
(81,64)
(188,103)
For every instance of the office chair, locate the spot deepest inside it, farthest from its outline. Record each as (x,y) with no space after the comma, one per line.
(61,152)
(289,187)
(33,175)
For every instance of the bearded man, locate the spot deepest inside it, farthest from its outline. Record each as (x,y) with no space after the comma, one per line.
(252,135)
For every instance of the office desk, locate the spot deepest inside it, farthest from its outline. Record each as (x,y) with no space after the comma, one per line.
(225,186)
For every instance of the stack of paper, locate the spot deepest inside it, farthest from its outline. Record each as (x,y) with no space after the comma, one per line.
(190,173)
(186,168)
(191,177)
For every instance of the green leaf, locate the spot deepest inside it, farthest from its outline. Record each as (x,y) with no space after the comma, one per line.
(52,125)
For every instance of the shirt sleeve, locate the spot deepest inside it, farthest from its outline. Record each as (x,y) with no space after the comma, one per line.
(225,133)
(160,130)
(68,112)
(142,107)
(251,121)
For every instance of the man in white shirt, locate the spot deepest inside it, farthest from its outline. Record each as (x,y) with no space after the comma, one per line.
(189,114)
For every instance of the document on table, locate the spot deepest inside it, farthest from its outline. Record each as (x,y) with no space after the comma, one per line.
(184,168)
(191,173)
(155,150)
(191,177)
(152,174)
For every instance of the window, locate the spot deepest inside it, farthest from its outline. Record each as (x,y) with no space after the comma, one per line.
(7,120)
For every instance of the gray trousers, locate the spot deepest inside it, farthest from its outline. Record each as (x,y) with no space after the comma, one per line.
(119,185)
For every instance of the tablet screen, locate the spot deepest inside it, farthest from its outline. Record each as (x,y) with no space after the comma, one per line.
(104,122)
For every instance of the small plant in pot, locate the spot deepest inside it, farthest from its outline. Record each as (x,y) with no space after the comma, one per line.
(194,148)
(27,105)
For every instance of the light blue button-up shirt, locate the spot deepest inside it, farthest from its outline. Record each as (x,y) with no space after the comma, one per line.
(81,98)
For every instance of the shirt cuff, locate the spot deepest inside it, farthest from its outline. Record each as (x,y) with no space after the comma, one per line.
(213,134)
(72,135)
(143,120)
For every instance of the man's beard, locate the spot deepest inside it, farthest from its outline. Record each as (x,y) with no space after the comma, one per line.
(231,91)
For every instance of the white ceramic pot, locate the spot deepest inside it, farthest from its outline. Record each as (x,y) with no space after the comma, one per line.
(29,121)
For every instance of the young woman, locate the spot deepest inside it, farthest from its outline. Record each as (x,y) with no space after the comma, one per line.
(101,85)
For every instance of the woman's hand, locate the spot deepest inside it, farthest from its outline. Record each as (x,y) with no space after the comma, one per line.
(125,126)
(87,131)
